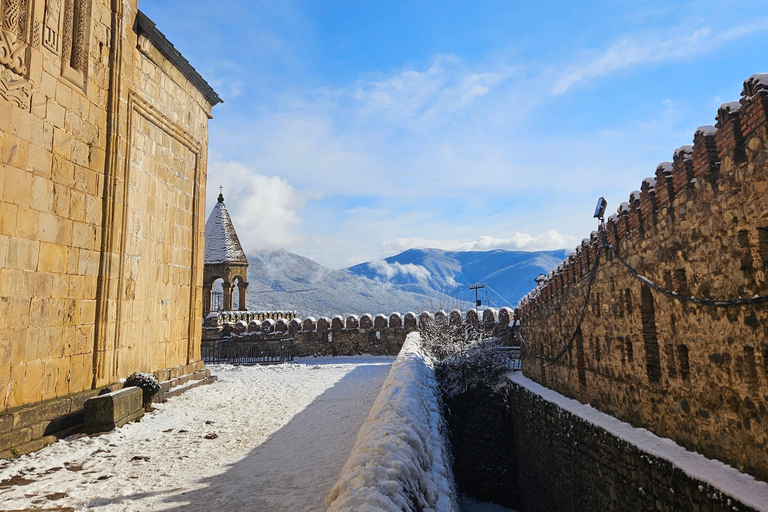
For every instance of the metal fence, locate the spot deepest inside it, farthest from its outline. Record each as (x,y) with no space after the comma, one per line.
(513,355)
(245,351)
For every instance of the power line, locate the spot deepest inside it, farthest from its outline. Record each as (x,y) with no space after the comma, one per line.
(757,299)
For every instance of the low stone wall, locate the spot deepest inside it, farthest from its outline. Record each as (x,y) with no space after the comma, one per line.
(538,451)
(401,461)
(338,336)
(29,428)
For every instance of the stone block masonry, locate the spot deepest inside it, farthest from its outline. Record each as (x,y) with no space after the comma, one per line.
(525,447)
(339,336)
(103,154)
(695,373)
(112,410)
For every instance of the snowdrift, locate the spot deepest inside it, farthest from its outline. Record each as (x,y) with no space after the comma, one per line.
(400,461)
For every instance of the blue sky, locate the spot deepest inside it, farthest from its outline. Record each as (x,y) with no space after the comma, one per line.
(351,131)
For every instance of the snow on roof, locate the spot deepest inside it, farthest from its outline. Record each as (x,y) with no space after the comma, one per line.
(221,242)
(666,167)
(651,182)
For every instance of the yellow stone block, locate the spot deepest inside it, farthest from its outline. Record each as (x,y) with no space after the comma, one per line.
(59,286)
(93,210)
(48,85)
(64,233)
(15,152)
(5,384)
(47,227)
(6,341)
(3,250)
(8,215)
(88,311)
(83,236)
(23,254)
(18,186)
(26,223)
(62,377)
(43,285)
(77,206)
(16,395)
(50,375)
(62,171)
(62,143)
(52,258)
(63,93)
(10,286)
(33,381)
(40,161)
(42,194)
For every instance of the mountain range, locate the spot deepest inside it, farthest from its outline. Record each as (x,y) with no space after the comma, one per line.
(507,275)
(414,280)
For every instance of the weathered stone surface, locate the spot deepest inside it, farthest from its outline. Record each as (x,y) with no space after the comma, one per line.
(113,410)
(126,107)
(516,449)
(695,373)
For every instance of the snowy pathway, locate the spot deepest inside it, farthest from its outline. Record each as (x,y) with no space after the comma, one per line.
(262,438)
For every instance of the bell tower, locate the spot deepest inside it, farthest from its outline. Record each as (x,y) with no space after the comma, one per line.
(224,259)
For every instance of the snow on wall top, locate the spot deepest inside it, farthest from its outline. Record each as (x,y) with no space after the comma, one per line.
(400,460)
(706,130)
(221,242)
(723,477)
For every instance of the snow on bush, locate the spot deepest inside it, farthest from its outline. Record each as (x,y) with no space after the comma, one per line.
(146,382)
(401,460)
(464,356)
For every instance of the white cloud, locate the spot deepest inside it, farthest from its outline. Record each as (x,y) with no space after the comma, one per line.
(388,271)
(549,240)
(445,88)
(635,50)
(264,209)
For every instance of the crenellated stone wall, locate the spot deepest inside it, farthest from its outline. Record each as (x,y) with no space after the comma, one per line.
(353,335)
(695,373)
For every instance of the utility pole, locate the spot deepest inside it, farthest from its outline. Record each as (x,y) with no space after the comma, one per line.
(477,287)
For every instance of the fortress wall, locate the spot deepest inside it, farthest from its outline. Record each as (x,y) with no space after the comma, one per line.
(534,450)
(694,373)
(338,336)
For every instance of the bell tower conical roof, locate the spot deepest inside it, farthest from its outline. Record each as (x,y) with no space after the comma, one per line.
(221,242)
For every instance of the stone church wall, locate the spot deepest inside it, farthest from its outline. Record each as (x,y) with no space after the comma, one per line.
(695,373)
(102,183)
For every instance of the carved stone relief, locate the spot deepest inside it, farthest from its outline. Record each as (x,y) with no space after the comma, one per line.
(74,45)
(13,54)
(51,24)
(15,89)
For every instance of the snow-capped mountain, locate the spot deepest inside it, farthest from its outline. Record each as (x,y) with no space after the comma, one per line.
(508,275)
(280,280)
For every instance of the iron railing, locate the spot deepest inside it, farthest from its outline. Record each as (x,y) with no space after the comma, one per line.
(513,355)
(247,352)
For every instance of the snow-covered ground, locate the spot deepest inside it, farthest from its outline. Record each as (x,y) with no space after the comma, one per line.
(262,438)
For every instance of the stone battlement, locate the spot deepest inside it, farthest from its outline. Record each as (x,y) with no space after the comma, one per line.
(337,335)
(693,370)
